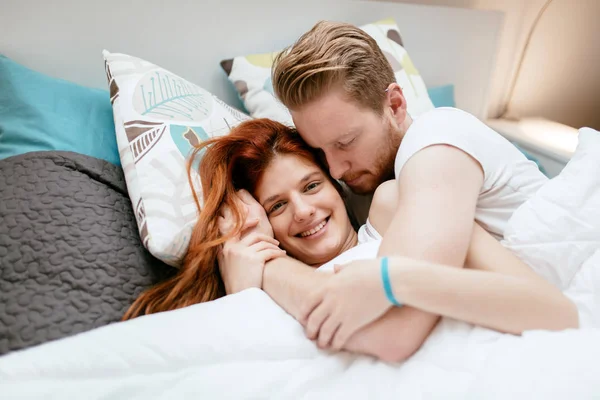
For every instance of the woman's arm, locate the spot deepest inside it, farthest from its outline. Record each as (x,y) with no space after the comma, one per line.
(289,281)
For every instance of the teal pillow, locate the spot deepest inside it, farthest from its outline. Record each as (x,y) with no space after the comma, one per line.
(442,96)
(39,113)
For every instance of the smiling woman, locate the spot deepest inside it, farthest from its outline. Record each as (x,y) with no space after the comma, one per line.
(306,211)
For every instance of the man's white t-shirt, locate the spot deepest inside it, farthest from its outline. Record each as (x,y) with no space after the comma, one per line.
(510,178)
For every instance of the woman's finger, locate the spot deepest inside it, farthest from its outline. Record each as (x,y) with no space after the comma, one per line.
(316,319)
(327,332)
(246,197)
(225,212)
(225,228)
(223,225)
(262,245)
(271,254)
(250,223)
(256,237)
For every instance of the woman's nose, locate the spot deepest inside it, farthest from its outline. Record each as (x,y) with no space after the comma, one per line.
(303,210)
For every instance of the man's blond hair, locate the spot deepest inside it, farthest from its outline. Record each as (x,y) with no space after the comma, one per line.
(332,55)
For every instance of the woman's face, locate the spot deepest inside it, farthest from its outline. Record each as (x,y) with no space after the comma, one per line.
(306,212)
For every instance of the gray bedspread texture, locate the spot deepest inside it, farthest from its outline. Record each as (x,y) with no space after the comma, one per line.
(70,254)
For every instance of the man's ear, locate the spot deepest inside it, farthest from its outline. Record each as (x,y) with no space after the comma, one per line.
(397,102)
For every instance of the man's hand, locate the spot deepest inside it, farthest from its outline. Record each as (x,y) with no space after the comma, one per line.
(350,300)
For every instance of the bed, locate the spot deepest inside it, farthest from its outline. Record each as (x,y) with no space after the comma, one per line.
(74,253)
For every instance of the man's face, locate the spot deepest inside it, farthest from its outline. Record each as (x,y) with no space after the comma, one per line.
(360,145)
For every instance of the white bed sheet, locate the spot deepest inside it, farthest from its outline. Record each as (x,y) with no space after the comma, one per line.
(259,351)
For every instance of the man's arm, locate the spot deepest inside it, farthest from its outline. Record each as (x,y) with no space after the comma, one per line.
(437,195)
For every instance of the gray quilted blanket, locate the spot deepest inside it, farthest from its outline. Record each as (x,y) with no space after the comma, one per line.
(70,255)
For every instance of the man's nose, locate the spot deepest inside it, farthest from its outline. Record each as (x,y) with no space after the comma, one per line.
(337,165)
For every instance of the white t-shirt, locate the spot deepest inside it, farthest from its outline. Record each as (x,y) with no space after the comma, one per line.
(509,178)
(367,233)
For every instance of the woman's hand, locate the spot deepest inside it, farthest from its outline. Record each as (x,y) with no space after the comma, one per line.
(350,300)
(254,212)
(242,258)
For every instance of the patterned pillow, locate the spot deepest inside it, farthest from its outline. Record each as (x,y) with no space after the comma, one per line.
(159,116)
(251,76)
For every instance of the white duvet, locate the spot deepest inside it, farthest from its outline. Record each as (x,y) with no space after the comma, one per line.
(245,346)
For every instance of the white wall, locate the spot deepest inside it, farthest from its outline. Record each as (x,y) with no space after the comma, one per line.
(64,38)
(560,78)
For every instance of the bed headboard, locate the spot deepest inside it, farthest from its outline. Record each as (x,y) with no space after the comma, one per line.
(64,38)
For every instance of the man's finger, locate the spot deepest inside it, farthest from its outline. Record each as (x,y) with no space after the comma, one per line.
(315,320)
(308,305)
(328,330)
(340,337)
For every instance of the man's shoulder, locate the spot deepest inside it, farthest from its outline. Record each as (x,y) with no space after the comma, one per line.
(455,128)
(445,120)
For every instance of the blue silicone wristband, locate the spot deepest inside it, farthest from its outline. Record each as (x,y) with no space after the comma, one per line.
(387,286)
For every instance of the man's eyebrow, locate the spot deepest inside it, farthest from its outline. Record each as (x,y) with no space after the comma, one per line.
(306,178)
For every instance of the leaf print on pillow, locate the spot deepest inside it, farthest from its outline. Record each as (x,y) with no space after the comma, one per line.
(187,137)
(142,136)
(166,96)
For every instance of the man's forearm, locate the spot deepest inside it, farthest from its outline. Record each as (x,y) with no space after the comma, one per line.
(289,281)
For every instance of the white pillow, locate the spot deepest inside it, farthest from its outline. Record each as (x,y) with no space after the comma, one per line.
(558,229)
(158,117)
(251,76)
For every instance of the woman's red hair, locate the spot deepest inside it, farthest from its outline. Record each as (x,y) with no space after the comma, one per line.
(228,163)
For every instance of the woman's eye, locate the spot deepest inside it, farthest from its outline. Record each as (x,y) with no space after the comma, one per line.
(276,207)
(312,186)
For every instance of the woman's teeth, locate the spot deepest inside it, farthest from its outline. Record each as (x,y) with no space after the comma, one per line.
(314,230)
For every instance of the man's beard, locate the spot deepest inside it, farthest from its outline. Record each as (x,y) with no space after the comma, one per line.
(383,169)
